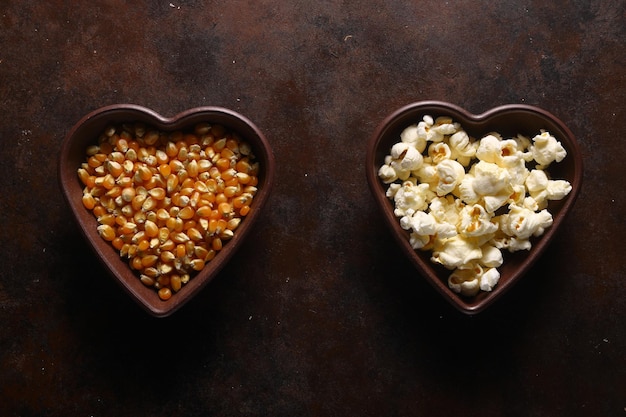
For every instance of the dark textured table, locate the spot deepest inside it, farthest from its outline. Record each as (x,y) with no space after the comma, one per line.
(319,314)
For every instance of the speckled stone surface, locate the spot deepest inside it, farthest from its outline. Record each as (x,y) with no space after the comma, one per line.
(319,314)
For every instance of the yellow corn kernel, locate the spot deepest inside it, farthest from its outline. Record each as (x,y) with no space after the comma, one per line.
(168,245)
(128,228)
(171,183)
(151,229)
(181,251)
(146,280)
(197,264)
(194,234)
(204,211)
(106,232)
(88,201)
(186,213)
(117,243)
(152,272)
(98,211)
(232,191)
(143,245)
(216,244)
(165,268)
(224,209)
(165,293)
(233,223)
(175,283)
(137,201)
(167,256)
(201,252)
(149,260)
(149,204)
(179,237)
(226,234)
(114,168)
(108,219)
(139,217)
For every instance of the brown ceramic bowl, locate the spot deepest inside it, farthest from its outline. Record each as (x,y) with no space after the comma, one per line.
(86,132)
(509,120)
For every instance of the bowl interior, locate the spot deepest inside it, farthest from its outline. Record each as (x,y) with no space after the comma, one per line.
(509,120)
(87,131)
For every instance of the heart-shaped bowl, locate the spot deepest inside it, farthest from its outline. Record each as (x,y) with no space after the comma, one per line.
(86,133)
(508,120)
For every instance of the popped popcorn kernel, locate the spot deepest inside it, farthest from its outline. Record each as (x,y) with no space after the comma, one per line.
(467,200)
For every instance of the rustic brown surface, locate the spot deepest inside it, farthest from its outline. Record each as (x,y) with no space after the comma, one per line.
(319,314)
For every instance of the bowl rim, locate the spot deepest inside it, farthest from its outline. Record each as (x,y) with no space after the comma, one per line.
(128,112)
(442,108)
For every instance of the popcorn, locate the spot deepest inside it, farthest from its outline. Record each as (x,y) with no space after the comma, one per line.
(449,174)
(468,200)
(475,221)
(387,174)
(407,156)
(464,282)
(435,130)
(438,152)
(462,148)
(410,135)
(411,198)
(489,279)
(456,252)
(523,223)
(546,149)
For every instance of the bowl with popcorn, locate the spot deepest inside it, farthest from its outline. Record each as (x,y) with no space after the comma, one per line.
(473,200)
(165,202)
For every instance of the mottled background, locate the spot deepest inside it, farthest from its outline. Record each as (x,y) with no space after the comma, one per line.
(319,314)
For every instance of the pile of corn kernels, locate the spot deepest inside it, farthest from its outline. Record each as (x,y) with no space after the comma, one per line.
(168,201)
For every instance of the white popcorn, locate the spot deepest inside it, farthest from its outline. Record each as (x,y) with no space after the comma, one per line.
(411,198)
(466,201)
(464,282)
(421,222)
(523,223)
(489,178)
(466,190)
(438,152)
(424,226)
(402,173)
(387,174)
(392,190)
(511,244)
(542,189)
(489,279)
(410,135)
(450,174)
(418,241)
(427,173)
(446,209)
(488,149)
(455,252)
(558,189)
(475,221)
(435,130)
(546,149)
(492,256)
(463,149)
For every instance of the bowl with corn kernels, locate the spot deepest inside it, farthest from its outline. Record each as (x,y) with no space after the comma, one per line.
(473,200)
(165,202)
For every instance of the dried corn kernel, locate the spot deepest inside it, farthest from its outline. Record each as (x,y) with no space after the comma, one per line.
(168,202)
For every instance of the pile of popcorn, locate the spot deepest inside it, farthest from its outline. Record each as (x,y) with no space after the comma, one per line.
(467,200)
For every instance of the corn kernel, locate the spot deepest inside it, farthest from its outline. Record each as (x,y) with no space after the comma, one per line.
(168,202)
